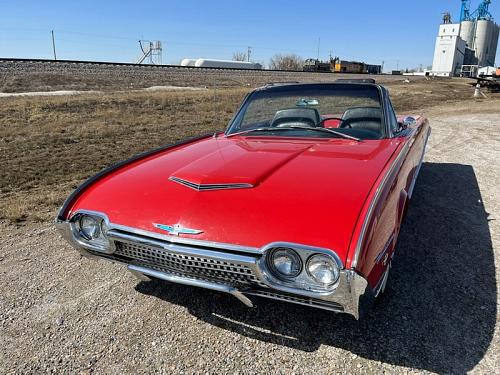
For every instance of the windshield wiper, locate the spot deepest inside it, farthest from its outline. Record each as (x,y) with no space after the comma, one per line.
(270,128)
(263,129)
(323,130)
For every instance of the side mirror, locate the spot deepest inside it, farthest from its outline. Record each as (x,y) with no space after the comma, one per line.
(408,121)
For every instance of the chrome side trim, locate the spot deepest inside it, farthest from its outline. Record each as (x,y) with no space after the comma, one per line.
(380,188)
(415,175)
(395,164)
(192,282)
(209,187)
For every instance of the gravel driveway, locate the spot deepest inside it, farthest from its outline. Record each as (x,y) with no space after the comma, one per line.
(63,313)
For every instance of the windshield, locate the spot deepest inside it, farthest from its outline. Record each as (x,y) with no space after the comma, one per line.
(353,110)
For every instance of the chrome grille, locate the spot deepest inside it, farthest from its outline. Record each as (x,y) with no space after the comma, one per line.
(186,265)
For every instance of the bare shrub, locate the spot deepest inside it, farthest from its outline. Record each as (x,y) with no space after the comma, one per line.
(286,62)
(239,56)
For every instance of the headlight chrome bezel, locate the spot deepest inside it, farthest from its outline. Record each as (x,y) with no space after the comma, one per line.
(100,242)
(303,281)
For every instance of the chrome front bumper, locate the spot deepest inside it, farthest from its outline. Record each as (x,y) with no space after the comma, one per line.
(228,269)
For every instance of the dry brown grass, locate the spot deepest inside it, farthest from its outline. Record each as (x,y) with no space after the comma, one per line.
(49,145)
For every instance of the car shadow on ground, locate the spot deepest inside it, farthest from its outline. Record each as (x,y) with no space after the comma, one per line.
(439,313)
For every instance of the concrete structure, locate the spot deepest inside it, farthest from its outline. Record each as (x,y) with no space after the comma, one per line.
(449,51)
(479,33)
(467,32)
(485,42)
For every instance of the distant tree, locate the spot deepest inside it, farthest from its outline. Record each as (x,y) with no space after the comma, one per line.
(239,56)
(286,62)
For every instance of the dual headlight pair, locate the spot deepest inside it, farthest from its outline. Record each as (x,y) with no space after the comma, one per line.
(287,265)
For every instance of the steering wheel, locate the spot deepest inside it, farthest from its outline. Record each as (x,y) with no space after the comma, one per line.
(322,122)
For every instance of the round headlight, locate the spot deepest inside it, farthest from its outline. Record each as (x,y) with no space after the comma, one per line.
(90,227)
(323,269)
(285,262)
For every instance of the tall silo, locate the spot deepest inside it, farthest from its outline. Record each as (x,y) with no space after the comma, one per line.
(494,45)
(467,32)
(482,43)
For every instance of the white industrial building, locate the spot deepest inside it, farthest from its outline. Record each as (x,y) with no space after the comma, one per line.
(449,52)
(466,47)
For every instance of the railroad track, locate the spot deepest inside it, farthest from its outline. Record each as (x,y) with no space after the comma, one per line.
(146,66)
(18,75)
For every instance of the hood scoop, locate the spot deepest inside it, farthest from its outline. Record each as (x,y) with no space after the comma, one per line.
(234,165)
(207,187)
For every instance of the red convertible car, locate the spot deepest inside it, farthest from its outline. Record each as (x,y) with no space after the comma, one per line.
(301,199)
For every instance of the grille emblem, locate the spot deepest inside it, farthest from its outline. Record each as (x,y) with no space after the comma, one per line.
(177,229)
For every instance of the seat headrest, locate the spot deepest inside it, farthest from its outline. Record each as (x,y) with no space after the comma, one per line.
(298,113)
(366,118)
(361,113)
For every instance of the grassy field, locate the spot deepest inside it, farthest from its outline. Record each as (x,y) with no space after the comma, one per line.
(49,145)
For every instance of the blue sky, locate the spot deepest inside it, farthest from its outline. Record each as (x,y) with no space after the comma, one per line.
(397,32)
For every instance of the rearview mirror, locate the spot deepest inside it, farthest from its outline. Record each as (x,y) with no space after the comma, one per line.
(307,102)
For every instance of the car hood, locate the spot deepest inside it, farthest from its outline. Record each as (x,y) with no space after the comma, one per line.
(247,191)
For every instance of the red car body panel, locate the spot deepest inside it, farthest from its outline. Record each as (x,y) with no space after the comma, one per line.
(224,204)
(383,227)
(290,176)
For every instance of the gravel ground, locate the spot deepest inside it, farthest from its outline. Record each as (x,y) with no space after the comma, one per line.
(63,313)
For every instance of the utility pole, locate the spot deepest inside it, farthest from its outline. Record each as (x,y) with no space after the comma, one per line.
(319,44)
(383,62)
(53,45)
(249,52)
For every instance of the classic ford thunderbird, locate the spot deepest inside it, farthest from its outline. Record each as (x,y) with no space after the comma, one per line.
(301,199)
